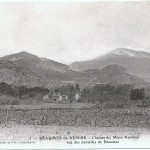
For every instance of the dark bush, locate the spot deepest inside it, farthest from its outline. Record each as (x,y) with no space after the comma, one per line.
(11,90)
(137,94)
(31,92)
(104,93)
(15,102)
(7,89)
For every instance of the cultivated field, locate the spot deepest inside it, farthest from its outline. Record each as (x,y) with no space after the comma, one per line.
(31,126)
(89,117)
(49,106)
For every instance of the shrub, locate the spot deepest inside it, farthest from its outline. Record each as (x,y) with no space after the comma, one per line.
(137,94)
(15,102)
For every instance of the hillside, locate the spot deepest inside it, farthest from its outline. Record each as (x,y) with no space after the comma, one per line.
(26,69)
(136,62)
(114,74)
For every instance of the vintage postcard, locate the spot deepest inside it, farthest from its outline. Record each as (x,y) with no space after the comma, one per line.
(74,74)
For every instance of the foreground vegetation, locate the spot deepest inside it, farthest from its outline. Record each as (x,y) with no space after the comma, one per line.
(104,95)
(115,106)
(78,117)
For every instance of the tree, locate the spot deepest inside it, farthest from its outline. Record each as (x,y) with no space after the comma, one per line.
(21,91)
(71,95)
(71,88)
(137,94)
(15,102)
(77,87)
(85,95)
(56,91)
(3,87)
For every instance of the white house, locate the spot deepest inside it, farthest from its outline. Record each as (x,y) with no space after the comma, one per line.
(77,96)
(55,97)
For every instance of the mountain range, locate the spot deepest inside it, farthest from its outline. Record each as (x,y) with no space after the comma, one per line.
(120,66)
(136,62)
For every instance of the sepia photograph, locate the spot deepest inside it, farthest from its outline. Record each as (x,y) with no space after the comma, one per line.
(74,74)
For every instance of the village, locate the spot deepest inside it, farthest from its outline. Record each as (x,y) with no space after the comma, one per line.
(69,93)
(56,97)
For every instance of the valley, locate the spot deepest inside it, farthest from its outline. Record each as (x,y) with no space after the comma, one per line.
(84,98)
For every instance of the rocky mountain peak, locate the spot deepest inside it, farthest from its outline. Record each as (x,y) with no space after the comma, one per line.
(124,51)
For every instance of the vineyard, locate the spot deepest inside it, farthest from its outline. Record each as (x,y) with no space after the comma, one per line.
(86,117)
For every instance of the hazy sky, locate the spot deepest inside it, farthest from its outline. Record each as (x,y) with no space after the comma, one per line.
(71,31)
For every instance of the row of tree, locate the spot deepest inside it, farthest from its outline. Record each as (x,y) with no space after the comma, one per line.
(104,93)
(119,93)
(11,90)
(96,94)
